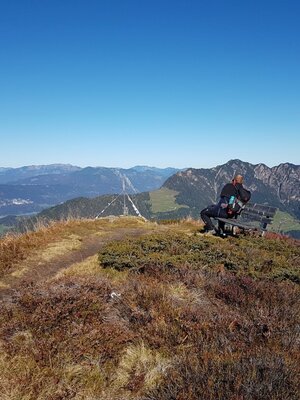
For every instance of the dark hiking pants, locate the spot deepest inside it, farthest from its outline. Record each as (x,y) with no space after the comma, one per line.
(212,212)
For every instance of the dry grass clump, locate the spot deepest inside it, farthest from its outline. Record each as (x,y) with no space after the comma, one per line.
(87,267)
(140,369)
(15,248)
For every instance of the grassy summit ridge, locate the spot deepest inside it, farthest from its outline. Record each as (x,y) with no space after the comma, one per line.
(171,314)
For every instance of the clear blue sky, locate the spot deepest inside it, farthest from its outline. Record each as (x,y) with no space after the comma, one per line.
(164,83)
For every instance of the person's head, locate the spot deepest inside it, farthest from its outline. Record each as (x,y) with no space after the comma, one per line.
(238,179)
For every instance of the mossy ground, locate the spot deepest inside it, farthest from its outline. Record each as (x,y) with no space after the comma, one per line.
(170,315)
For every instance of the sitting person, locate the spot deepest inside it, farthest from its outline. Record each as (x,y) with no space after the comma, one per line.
(232,198)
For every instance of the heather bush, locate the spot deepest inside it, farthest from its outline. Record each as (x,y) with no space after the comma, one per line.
(247,256)
(212,376)
(69,322)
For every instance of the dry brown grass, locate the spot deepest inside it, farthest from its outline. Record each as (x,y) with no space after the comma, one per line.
(51,239)
(15,248)
(168,316)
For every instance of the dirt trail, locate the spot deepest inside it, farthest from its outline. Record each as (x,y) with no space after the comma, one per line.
(41,271)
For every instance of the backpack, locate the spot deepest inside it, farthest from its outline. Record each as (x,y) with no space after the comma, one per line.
(237,203)
(244,195)
(235,206)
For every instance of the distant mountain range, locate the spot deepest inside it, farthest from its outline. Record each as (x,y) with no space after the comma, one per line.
(34,188)
(8,175)
(186,192)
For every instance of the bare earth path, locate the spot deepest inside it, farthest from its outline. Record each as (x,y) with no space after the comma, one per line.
(38,271)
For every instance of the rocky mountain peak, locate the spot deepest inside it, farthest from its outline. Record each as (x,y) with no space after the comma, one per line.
(278,186)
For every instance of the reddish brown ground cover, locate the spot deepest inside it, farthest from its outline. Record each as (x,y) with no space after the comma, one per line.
(167,316)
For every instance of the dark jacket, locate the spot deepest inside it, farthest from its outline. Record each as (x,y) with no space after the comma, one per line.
(236,190)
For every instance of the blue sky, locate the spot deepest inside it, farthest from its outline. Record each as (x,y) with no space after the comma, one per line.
(165,83)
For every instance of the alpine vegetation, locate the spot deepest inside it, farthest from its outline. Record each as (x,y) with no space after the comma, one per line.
(128,309)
